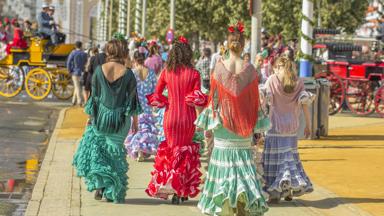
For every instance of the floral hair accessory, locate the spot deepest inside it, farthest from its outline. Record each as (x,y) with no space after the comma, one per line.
(118,36)
(183,40)
(239,27)
(152,43)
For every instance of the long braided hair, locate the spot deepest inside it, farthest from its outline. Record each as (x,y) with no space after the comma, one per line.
(180,55)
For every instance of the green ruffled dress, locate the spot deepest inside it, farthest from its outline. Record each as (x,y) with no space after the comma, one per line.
(232,178)
(101,156)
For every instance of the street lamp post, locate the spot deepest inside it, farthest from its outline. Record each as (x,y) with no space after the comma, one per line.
(172,24)
(256,27)
(143,17)
(306,39)
(110,20)
(129,17)
(137,16)
(122,25)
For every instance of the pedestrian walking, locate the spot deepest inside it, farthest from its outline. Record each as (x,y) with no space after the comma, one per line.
(177,160)
(203,67)
(87,75)
(283,171)
(101,156)
(144,143)
(76,62)
(154,61)
(232,186)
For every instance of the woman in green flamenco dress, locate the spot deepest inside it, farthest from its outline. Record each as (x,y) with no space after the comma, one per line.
(101,156)
(231,185)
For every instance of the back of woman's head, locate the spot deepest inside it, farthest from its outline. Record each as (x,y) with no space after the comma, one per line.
(94,51)
(180,55)
(116,50)
(289,73)
(153,50)
(139,57)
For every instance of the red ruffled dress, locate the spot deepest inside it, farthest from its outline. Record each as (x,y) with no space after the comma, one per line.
(18,41)
(177,161)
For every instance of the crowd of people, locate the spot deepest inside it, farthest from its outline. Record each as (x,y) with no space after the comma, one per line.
(141,104)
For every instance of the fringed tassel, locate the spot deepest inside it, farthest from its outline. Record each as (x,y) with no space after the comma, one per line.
(239,113)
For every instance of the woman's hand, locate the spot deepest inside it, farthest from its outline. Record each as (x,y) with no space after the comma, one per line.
(135,125)
(307,131)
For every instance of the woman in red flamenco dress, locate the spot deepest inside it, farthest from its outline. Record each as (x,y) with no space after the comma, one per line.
(177,161)
(18,38)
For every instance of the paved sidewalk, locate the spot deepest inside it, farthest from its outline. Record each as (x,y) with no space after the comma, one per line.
(59,192)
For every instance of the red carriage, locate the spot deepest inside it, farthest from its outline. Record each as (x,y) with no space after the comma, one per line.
(356,74)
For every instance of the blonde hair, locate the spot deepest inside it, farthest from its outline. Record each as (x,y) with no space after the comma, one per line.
(289,77)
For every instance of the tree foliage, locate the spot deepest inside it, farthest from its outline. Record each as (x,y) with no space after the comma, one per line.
(285,16)
(209,19)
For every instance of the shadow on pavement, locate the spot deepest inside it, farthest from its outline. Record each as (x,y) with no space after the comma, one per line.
(329,203)
(153,201)
(343,147)
(354,137)
(320,160)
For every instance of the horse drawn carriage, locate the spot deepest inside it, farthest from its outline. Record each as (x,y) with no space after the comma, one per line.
(39,69)
(356,74)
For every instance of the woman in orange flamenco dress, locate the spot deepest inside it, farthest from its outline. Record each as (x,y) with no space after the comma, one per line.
(177,161)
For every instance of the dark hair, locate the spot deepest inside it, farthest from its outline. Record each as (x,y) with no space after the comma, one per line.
(247,54)
(207,52)
(139,57)
(78,44)
(180,55)
(153,50)
(28,22)
(94,50)
(116,50)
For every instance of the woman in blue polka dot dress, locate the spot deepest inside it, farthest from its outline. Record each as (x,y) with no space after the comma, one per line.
(144,143)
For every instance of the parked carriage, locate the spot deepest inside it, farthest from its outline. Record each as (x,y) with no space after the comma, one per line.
(39,69)
(356,74)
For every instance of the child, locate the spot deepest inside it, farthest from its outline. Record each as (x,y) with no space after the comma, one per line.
(283,171)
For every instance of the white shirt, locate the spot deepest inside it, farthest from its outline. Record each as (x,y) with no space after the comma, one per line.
(215,57)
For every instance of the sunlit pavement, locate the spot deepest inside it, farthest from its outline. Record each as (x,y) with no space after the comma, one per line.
(345,171)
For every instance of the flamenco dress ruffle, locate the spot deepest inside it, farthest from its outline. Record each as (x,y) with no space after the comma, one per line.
(145,140)
(176,169)
(232,178)
(101,156)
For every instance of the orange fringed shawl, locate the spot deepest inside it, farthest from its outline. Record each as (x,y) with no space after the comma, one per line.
(237,98)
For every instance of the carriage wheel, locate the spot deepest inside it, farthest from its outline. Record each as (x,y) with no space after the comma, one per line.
(62,85)
(11,81)
(360,96)
(337,92)
(38,84)
(379,101)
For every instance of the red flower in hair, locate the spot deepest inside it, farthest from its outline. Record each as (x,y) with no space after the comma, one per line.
(240,27)
(13,21)
(183,40)
(231,29)
(152,43)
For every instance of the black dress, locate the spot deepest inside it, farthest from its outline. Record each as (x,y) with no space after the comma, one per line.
(95,61)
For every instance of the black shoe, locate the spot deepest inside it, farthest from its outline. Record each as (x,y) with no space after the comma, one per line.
(99,194)
(175,200)
(288,198)
(183,199)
